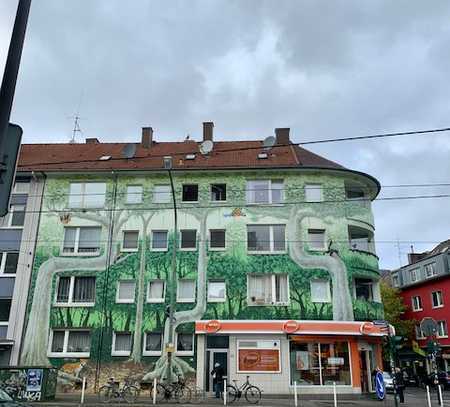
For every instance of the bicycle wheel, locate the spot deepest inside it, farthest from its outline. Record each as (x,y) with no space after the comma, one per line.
(232,393)
(130,394)
(183,394)
(162,393)
(253,394)
(105,394)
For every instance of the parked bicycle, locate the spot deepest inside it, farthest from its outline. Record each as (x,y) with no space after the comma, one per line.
(178,391)
(111,391)
(251,392)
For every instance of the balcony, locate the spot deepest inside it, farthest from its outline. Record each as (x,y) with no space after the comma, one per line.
(360,210)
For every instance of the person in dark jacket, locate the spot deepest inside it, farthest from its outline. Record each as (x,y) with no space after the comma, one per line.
(399,384)
(217,374)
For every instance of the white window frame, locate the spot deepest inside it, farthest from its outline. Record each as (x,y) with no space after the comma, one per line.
(130,194)
(443,323)
(9,216)
(64,353)
(427,266)
(419,332)
(126,250)
(322,280)
(217,249)
(3,265)
(77,242)
(264,345)
(272,242)
(162,249)
(155,194)
(414,303)
(184,353)
(127,300)
(186,300)
(313,186)
(70,302)
(18,190)
(217,299)
(120,352)
(273,291)
(411,273)
(156,300)
(210,192)
(395,281)
(440,297)
(83,196)
(152,352)
(269,191)
(317,249)
(188,249)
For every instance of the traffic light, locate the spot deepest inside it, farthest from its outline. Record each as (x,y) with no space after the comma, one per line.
(396,342)
(11,145)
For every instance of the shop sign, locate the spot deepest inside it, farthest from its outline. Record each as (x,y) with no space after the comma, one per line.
(368,328)
(290,327)
(212,326)
(335,361)
(259,360)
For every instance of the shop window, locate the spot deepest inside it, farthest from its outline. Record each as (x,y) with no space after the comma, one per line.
(430,270)
(319,364)
(413,275)
(258,356)
(265,191)
(70,343)
(216,239)
(130,242)
(76,291)
(190,193)
(82,240)
(185,344)
(153,343)
(5,309)
(8,263)
(268,289)
(313,193)
(161,194)
(125,291)
(216,291)
(186,290)
(159,240)
(320,291)
(134,194)
(189,239)
(436,297)
(442,331)
(363,289)
(121,344)
(316,239)
(266,238)
(156,291)
(87,195)
(218,192)
(416,303)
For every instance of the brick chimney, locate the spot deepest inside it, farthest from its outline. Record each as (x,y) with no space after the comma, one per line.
(208,128)
(282,135)
(147,137)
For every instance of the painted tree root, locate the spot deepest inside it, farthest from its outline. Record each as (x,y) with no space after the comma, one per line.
(161,371)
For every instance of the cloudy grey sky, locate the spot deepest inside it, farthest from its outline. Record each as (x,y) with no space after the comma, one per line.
(326,69)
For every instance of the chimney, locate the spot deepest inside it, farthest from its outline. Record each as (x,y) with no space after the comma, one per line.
(93,140)
(208,131)
(282,135)
(147,137)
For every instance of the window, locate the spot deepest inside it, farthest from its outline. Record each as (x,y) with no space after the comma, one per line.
(266,238)
(416,303)
(82,240)
(436,298)
(159,240)
(87,195)
(268,289)
(320,364)
(354,192)
(70,343)
(442,331)
(216,291)
(125,291)
(316,239)
(185,344)
(265,191)
(5,309)
(320,291)
(218,192)
(216,239)
(189,239)
(21,187)
(413,275)
(419,332)
(134,194)
(258,356)
(430,270)
(190,193)
(313,193)
(186,290)
(8,263)
(156,291)
(121,344)
(16,216)
(361,239)
(363,289)
(130,241)
(153,343)
(78,291)
(395,280)
(162,194)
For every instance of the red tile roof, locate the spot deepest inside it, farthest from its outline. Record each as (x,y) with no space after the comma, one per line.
(225,154)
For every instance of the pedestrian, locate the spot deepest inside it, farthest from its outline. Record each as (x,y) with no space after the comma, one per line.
(217,374)
(399,384)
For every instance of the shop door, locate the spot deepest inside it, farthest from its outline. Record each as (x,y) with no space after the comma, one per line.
(217,356)
(365,357)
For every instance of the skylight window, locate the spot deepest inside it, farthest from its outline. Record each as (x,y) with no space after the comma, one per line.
(190,157)
(105,158)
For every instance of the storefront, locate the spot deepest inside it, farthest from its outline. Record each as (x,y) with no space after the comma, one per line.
(275,354)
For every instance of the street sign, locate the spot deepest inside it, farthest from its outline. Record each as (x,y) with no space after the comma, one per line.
(380,388)
(428,326)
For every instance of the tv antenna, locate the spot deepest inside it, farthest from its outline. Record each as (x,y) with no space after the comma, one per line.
(269,142)
(206,147)
(76,129)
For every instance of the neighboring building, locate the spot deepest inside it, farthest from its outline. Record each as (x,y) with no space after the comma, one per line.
(18,231)
(276,262)
(425,288)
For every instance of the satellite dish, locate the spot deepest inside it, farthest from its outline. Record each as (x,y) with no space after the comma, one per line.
(206,147)
(129,151)
(269,142)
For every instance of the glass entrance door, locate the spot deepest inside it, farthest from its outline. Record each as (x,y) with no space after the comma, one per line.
(217,356)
